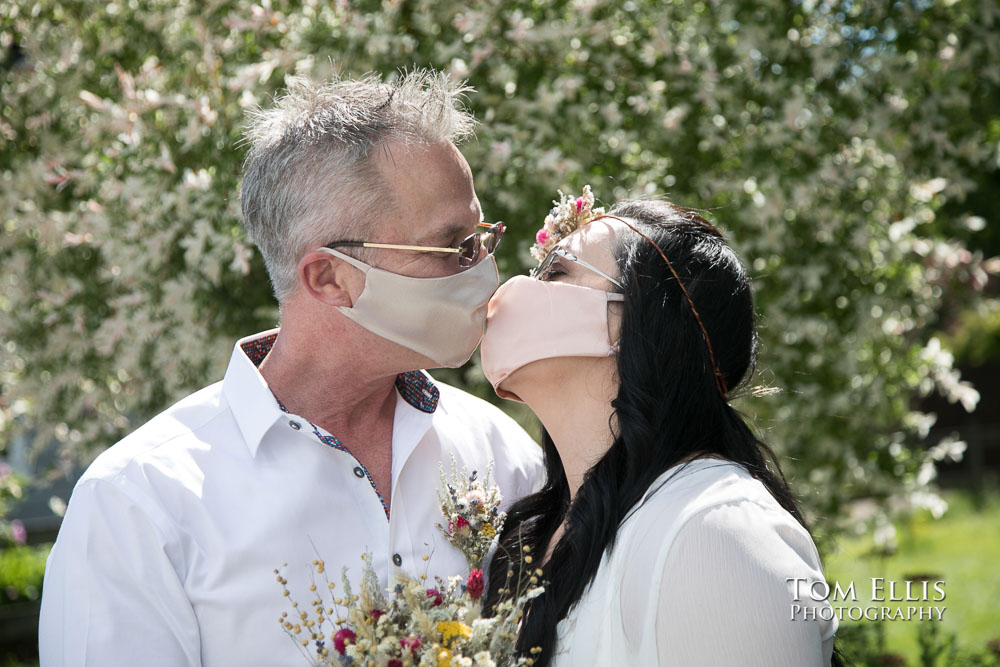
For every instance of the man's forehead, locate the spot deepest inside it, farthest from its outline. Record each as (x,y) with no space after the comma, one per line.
(434,191)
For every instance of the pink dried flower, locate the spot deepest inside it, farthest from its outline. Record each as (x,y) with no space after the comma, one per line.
(459,525)
(579,204)
(376,614)
(541,237)
(436,594)
(475,584)
(395,662)
(411,643)
(342,638)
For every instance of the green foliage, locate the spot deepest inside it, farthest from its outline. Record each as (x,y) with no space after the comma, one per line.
(11,492)
(835,141)
(977,336)
(21,567)
(960,550)
(864,646)
(11,488)
(21,571)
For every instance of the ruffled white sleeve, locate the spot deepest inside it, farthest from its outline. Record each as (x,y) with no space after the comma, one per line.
(723,595)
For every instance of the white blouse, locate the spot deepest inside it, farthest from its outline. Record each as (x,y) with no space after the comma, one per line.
(699,575)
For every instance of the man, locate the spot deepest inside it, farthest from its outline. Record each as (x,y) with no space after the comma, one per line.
(324,439)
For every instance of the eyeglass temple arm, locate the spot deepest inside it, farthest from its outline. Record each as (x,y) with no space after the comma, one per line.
(592,268)
(361,244)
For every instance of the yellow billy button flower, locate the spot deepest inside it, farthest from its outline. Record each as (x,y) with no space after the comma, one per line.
(451,630)
(444,658)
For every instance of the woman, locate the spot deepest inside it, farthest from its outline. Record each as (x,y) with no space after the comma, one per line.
(665,532)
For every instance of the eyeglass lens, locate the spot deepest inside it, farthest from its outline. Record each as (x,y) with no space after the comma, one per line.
(471,244)
(542,271)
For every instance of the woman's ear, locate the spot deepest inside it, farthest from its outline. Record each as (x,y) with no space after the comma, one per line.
(616,310)
(330,279)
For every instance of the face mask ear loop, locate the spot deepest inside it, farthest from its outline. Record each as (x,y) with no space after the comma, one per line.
(356,263)
(616,297)
(720,382)
(353,261)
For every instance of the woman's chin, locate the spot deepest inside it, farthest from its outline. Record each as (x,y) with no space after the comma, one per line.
(546,377)
(530,379)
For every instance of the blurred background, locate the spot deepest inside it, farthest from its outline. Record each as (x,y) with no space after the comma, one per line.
(849,150)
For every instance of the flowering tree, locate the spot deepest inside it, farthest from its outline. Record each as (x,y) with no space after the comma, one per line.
(825,137)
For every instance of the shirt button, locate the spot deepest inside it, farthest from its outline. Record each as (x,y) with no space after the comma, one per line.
(358,472)
(397,559)
(295,425)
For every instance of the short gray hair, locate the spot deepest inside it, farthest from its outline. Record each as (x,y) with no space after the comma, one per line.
(308,174)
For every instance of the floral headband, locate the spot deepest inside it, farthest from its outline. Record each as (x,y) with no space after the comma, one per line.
(568,214)
(571,213)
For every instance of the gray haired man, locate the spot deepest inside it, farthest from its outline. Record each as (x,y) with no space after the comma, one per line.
(324,438)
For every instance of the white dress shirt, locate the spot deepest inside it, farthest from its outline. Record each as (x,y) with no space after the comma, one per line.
(167,552)
(698,577)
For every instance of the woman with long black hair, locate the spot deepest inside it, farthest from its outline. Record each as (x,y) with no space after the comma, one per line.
(666,533)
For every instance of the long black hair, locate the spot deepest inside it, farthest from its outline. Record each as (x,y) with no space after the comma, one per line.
(669,406)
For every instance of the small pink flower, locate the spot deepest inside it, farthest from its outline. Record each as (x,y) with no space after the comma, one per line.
(411,643)
(376,614)
(18,532)
(395,662)
(436,594)
(541,237)
(342,638)
(460,525)
(579,204)
(475,584)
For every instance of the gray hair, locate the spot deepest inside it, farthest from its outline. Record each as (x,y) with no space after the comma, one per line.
(308,174)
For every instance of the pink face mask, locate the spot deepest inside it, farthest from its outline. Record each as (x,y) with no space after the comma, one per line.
(528,320)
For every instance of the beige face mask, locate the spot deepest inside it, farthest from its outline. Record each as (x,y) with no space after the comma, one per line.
(440,318)
(531,319)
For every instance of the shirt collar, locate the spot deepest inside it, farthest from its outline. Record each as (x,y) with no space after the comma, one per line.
(255,407)
(246,391)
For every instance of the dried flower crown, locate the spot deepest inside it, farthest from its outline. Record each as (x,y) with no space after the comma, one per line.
(568,214)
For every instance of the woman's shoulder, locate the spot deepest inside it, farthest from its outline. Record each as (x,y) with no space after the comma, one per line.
(712,538)
(700,483)
(714,499)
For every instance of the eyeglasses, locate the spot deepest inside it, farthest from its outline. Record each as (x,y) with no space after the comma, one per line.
(468,250)
(544,270)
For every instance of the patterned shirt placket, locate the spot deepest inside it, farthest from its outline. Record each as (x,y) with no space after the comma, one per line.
(414,387)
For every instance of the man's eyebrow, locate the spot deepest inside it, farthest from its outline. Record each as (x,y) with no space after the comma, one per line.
(445,236)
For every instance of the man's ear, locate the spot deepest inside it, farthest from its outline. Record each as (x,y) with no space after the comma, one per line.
(330,279)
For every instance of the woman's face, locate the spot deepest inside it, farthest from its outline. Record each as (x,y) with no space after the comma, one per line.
(592,243)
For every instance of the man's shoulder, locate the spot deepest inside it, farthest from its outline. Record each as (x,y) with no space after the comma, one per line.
(477,418)
(476,411)
(167,435)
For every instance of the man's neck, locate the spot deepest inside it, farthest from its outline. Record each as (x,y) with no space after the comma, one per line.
(336,394)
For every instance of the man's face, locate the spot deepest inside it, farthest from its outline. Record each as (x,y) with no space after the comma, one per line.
(432,203)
